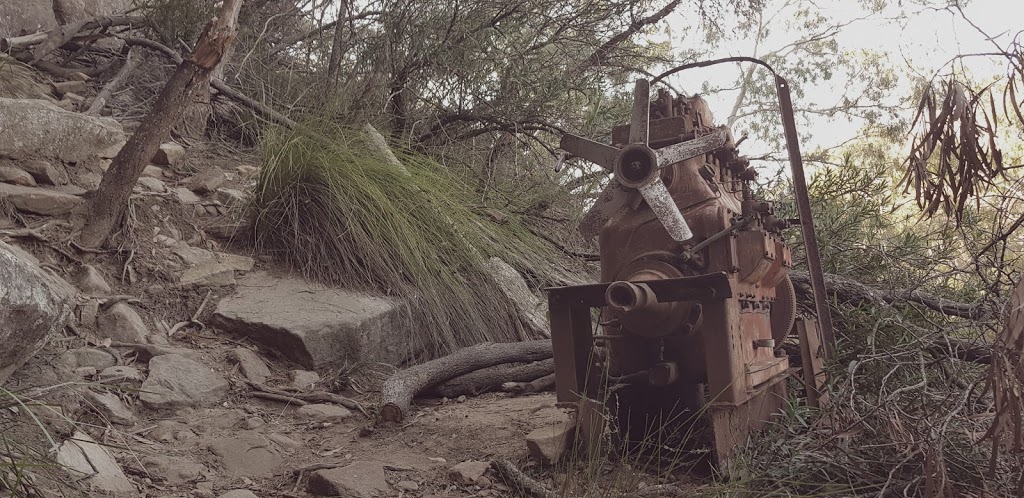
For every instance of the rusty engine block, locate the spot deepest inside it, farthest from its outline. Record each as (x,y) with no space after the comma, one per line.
(695,293)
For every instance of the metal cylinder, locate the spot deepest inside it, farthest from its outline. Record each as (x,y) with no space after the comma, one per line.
(628,296)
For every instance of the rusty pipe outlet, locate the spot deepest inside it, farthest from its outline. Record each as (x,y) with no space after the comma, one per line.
(628,296)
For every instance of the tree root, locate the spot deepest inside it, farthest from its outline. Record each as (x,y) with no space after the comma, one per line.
(524,484)
(399,390)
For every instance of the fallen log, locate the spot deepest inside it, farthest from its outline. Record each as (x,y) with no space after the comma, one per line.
(398,391)
(541,384)
(492,379)
(851,291)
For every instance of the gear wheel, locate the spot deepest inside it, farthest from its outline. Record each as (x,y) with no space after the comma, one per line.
(783,312)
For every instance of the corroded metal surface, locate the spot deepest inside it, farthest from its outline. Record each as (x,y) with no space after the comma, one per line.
(695,293)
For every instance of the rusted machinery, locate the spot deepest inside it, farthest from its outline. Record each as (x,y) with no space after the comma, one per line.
(695,293)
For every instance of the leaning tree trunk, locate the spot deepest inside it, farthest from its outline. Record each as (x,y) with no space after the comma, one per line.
(108,203)
(399,390)
(198,110)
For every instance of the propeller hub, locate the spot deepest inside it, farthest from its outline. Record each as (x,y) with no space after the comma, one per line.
(636,166)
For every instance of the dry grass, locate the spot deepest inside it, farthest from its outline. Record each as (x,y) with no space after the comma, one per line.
(327,204)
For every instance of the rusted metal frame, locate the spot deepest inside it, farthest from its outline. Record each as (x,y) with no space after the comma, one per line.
(799,187)
(572,328)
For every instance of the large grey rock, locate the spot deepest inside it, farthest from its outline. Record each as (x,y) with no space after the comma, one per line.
(314,326)
(18,16)
(175,381)
(322,412)
(122,323)
(169,154)
(84,459)
(33,305)
(246,454)
(251,365)
(359,480)
(174,470)
(108,405)
(39,200)
(44,172)
(16,176)
(85,357)
(91,281)
(548,445)
(45,130)
(532,310)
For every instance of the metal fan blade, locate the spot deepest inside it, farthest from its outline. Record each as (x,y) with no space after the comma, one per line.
(661,202)
(638,122)
(692,148)
(595,152)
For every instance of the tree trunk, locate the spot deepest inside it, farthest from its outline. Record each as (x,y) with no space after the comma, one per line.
(399,390)
(108,203)
(491,379)
(198,111)
(337,49)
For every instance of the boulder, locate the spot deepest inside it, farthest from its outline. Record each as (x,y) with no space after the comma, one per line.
(44,172)
(85,357)
(109,406)
(90,281)
(317,327)
(468,472)
(175,381)
(206,182)
(122,374)
(84,459)
(152,184)
(16,176)
(548,445)
(212,273)
(45,130)
(322,412)
(169,154)
(303,380)
(246,454)
(185,196)
(38,200)
(153,171)
(33,306)
(251,365)
(122,323)
(194,256)
(174,470)
(28,17)
(359,480)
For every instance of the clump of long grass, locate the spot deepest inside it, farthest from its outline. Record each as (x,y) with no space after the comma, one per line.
(17,81)
(329,204)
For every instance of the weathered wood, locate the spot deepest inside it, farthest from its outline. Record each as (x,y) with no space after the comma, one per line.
(108,203)
(523,484)
(399,390)
(132,61)
(492,379)
(852,291)
(65,33)
(538,385)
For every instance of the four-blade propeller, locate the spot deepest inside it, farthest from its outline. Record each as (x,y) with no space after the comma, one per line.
(639,166)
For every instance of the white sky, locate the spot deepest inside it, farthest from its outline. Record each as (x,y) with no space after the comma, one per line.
(920,40)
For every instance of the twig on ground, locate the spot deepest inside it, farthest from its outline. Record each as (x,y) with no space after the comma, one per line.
(516,479)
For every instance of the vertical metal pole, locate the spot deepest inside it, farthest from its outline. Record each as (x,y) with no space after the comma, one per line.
(803,205)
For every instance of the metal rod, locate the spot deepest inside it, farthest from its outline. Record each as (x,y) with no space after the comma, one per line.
(742,222)
(803,205)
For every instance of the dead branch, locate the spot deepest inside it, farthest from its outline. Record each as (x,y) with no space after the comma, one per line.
(521,482)
(491,379)
(280,397)
(132,61)
(219,85)
(541,384)
(65,33)
(399,390)
(306,398)
(852,291)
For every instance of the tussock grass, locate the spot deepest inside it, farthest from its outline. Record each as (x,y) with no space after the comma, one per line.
(333,208)
(17,81)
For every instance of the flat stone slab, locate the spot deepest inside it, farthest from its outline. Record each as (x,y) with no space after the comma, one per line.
(317,327)
(38,200)
(175,381)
